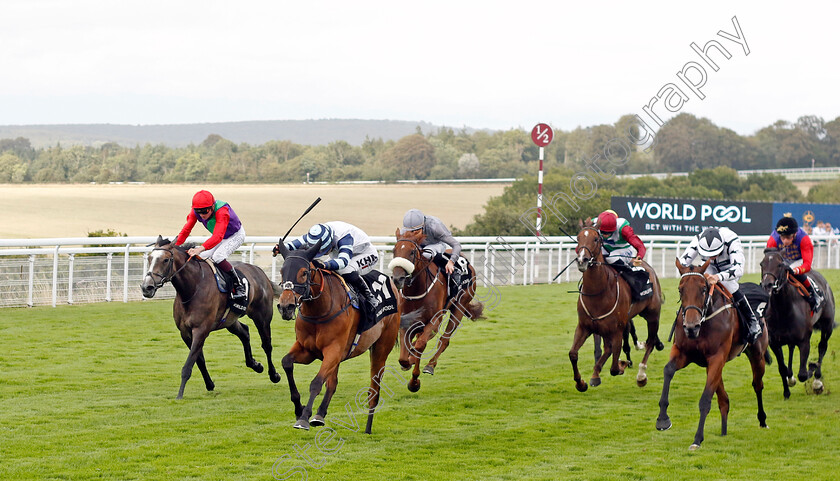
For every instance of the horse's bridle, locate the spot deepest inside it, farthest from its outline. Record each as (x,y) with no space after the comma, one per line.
(302,291)
(593,255)
(166,277)
(707,302)
(778,280)
(416,252)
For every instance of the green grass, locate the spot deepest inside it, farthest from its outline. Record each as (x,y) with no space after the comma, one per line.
(88,392)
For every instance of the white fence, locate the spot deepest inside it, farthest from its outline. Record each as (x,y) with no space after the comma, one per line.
(64,271)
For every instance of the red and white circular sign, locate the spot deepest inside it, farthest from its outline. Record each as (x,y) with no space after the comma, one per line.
(542,135)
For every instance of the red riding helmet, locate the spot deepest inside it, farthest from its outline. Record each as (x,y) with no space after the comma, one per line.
(607,222)
(202,199)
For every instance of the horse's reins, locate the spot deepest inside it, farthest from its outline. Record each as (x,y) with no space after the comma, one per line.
(435,280)
(707,303)
(307,296)
(168,278)
(591,262)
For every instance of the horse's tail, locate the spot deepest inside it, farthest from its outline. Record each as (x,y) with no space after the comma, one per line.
(475,310)
(768,359)
(277,289)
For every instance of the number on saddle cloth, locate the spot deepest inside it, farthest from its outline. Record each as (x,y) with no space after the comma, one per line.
(638,279)
(380,287)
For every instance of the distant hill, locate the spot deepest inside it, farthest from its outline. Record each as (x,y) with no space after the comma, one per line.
(304,132)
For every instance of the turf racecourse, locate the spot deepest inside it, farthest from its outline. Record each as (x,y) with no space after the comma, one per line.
(88,392)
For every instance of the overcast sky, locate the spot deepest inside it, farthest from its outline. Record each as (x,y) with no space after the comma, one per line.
(482,64)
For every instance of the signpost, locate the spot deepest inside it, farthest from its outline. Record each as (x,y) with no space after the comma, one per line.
(542,135)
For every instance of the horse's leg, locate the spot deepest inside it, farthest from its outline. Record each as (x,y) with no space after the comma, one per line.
(451,327)
(790,379)
(804,352)
(199,335)
(784,372)
(651,343)
(264,329)
(423,338)
(714,373)
(328,374)
(825,334)
(378,355)
(678,361)
(414,383)
(595,380)
(580,337)
(757,365)
(632,327)
(723,405)
(208,383)
(297,354)
(241,331)
(597,340)
(625,345)
(615,348)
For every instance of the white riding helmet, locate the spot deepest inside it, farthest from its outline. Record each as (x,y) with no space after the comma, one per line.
(413,220)
(710,243)
(320,232)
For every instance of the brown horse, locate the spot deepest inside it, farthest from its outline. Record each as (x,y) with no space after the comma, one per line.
(423,288)
(325,328)
(710,336)
(200,308)
(791,322)
(605,308)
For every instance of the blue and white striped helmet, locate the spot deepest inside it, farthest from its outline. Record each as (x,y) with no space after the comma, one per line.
(320,232)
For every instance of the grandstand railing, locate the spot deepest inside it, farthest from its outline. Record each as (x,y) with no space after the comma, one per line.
(69,270)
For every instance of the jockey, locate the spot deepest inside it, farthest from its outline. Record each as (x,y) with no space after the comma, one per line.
(798,250)
(619,242)
(350,254)
(723,248)
(438,239)
(227,235)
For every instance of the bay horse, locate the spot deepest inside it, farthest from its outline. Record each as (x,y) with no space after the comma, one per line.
(424,291)
(708,333)
(201,308)
(791,322)
(605,308)
(325,329)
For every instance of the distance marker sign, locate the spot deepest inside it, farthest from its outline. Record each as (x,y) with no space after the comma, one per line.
(542,135)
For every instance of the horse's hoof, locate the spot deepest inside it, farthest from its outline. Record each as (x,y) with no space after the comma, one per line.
(694,447)
(414,385)
(210,386)
(594,382)
(581,387)
(258,368)
(641,382)
(318,420)
(640,346)
(274,377)
(302,424)
(659,346)
(818,386)
(429,370)
(791,381)
(663,425)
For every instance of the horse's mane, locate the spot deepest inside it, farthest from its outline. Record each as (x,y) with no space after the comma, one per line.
(413,235)
(771,250)
(182,247)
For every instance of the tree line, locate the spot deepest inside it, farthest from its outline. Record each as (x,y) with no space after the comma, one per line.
(685,143)
(502,214)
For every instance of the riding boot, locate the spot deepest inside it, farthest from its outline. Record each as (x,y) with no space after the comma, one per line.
(747,314)
(368,300)
(441,261)
(238,296)
(814,299)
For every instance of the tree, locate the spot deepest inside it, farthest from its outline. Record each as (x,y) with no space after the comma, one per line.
(412,157)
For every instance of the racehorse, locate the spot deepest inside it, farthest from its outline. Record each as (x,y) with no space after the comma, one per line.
(605,308)
(424,291)
(201,308)
(710,336)
(791,322)
(325,328)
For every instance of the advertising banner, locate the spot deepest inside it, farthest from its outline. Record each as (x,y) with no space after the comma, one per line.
(658,216)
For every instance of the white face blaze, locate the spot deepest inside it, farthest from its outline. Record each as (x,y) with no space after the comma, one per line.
(156,261)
